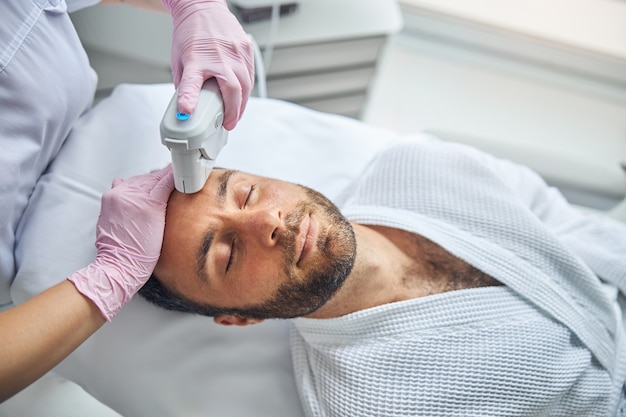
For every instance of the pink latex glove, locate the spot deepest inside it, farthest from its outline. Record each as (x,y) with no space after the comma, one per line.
(208,41)
(129,235)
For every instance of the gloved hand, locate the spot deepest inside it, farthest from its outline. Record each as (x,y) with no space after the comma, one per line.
(208,41)
(129,235)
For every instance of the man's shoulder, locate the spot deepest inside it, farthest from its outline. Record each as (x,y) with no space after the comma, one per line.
(429,153)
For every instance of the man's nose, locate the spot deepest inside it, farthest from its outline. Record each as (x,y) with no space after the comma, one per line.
(265,224)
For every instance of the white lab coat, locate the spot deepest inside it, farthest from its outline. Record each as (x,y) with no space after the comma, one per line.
(46,83)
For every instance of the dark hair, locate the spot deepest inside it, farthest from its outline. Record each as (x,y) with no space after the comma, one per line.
(156,293)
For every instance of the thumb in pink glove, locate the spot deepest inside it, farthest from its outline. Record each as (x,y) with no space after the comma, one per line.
(129,235)
(208,41)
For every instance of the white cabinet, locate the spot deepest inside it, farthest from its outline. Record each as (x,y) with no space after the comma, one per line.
(325,53)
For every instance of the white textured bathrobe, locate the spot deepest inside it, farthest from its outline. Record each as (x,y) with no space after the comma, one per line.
(549,342)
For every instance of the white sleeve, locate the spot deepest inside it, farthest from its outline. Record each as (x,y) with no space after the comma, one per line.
(598,240)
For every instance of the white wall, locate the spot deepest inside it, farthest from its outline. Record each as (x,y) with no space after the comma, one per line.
(595,25)
(541,82)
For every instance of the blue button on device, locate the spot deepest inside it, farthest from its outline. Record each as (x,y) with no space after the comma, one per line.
(182,116)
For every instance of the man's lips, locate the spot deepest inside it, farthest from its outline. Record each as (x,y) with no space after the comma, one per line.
(307,237)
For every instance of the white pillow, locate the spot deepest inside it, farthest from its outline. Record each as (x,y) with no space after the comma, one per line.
(148,361)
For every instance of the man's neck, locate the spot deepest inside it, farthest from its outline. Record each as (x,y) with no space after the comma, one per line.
(376,277)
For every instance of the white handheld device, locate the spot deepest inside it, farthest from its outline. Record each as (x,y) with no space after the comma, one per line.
(195,139)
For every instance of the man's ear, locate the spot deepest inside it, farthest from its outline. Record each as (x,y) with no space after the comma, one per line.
(229,320)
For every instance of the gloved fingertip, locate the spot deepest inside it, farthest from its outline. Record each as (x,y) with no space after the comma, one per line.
(230,125)
(186,106)
(232,104)
(165,185)
(230,119)
(188,95)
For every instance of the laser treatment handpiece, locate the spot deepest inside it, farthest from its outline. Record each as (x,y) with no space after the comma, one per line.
(195,140)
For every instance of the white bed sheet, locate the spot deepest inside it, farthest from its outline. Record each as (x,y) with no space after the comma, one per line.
(148,361)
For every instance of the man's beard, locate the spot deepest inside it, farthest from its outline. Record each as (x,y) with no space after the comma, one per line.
(337,251)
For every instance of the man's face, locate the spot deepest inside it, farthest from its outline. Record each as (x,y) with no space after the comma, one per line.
(249,242)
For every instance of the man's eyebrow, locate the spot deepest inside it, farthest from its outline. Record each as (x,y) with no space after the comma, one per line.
(203,252)
(209,235)
(223,185)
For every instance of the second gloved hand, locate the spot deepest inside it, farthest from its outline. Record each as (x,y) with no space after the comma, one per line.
(208,41)
(129,236)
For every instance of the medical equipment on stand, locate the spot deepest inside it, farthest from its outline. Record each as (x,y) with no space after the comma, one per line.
(195,140)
